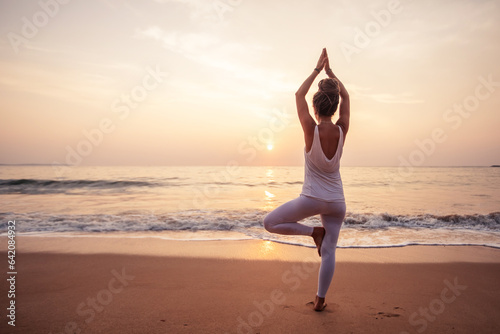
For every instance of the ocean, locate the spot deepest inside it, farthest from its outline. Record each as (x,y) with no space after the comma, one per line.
(386,206)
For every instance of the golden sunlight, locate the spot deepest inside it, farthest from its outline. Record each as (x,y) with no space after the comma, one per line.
(267,248)
(268,194)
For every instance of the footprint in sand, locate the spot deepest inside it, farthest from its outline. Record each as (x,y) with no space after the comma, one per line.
(386,315)
(382,315)
(329,307)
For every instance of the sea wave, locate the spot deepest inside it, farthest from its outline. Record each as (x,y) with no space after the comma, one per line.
(233,220)
(359,229)
(78,186)
(472,221)
(34,186)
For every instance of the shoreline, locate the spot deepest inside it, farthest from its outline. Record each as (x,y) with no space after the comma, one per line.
(394,237)
(236,237)
(248,249)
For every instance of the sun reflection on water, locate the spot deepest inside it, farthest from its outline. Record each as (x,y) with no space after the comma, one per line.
(270,175)
(269,196)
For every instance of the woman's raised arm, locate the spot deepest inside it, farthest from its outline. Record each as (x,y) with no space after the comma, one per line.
(344,108)
(305,118)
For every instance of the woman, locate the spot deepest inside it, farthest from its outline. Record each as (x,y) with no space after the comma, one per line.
(322,191)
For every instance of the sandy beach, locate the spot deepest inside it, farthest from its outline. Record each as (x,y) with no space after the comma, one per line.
(147,285)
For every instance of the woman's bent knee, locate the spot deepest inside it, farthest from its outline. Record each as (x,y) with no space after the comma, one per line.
(269,224)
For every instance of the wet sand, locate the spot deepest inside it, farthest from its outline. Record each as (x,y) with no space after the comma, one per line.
(145,285)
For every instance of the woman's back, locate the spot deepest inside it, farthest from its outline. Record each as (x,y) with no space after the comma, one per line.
(322,163)
(329,135)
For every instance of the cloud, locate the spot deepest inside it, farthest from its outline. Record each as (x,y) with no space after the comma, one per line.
(235,58)
(184,43)
(89,83)
(364,92)
(199,9)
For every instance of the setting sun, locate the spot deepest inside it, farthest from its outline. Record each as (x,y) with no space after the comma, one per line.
(270,147)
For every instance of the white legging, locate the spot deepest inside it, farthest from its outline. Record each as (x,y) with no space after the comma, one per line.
(284,220)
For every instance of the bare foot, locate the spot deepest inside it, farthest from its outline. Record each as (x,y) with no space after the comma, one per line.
(319,304)
(318,235)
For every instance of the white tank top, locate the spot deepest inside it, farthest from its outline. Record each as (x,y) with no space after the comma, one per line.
(322,176)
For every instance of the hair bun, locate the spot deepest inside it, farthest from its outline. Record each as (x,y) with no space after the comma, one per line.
(326,100)
(329,86)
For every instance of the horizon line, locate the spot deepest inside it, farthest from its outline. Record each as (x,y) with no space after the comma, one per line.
(151,165)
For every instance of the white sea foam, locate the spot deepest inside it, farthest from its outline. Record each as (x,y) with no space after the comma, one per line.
(359,230)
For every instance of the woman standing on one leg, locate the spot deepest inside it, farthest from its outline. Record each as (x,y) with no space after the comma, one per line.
(322,192)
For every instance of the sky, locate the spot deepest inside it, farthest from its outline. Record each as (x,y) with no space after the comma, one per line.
(212,82)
